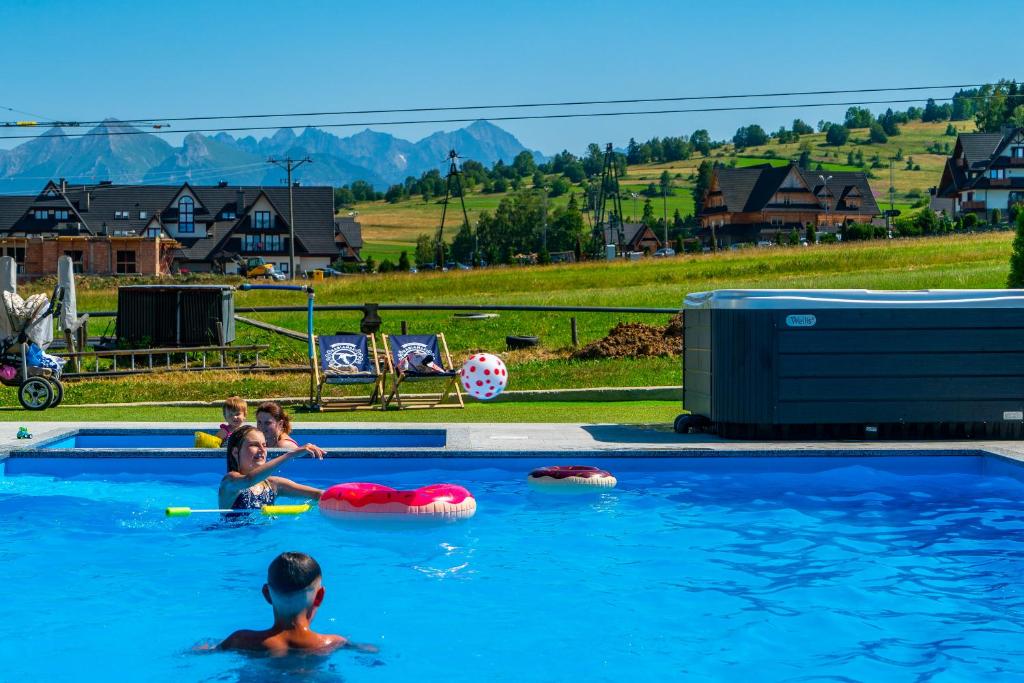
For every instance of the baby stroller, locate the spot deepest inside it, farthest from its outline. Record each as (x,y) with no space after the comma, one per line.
(26,330)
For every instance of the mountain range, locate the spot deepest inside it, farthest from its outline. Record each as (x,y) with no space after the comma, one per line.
(124,154)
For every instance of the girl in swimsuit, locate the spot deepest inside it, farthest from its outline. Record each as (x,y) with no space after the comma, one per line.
(275,425)
(249,483)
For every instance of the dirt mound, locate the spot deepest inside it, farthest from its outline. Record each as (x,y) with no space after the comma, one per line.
(637,339)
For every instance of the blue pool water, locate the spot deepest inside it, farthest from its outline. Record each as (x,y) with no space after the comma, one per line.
(424,438)
(869,569)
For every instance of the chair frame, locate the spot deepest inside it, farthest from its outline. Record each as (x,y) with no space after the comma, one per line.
(373,402)
(431,400)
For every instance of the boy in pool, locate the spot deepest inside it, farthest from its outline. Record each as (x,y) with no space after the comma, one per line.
(235,411)
(295,592)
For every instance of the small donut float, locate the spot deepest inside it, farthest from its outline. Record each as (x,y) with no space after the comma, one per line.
(579,477)
(363,500)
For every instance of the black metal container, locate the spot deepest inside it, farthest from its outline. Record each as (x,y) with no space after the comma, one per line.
(854,363)
(159,316)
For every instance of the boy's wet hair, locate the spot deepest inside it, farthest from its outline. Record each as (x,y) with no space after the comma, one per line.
(292,572)
(236,404)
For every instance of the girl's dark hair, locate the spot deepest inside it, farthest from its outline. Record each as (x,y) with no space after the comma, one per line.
(234,442)
(277,412)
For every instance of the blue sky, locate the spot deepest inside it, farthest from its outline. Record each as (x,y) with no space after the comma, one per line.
(90,60)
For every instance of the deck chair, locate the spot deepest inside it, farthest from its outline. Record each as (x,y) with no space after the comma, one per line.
(400,346)
(347,359)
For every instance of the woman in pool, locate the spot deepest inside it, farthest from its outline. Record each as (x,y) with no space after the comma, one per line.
(249,483)
(275,425)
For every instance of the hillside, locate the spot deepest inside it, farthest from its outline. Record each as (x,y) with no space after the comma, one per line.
(390,227)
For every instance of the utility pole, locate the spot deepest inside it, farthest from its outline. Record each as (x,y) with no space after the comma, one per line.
(664,210)
(289,165)
(452,181)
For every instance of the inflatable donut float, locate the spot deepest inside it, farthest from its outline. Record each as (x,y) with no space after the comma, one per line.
(363,500)
(580,477)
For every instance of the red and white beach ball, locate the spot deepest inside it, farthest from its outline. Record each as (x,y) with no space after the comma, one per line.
(483,376)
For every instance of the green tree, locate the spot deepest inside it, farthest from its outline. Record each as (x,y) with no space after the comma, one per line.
(801,128)
(386,266)
(750,136)
(559,186)
(805,160)
(665,183)
(812,234)
(1016,277)
(371,264)
(343,196)
(703,183)
(794,237)
(648,217)
(991,114)
(701,141)
(426,249)
(837,135)
(877,134)
(997,216)
(403,261)
(524,164)
(858,117)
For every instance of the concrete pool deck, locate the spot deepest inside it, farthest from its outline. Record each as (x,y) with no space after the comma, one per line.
(564,441)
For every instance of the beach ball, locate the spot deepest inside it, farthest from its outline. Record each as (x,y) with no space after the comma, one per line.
(483,376)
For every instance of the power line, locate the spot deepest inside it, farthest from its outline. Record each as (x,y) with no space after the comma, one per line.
(525,117)
(524,105)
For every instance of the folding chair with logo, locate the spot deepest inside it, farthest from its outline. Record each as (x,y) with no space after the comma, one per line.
(347,359)
(421,358)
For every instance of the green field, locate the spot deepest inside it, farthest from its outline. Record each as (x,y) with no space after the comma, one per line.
(388,228)
(625,412)
(961,261)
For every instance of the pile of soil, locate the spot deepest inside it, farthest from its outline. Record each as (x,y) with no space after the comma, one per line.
(637,339)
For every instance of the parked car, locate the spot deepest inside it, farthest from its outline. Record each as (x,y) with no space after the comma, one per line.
(665,251)
(327,272)
(765,243)
(276,275)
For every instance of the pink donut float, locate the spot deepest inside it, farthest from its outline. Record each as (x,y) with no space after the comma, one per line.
(572,477)
(358,499)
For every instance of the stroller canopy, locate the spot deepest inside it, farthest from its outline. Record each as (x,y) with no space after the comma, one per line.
(32,316)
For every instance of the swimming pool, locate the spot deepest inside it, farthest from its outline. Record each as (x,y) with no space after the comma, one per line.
(135,439)
(729,568)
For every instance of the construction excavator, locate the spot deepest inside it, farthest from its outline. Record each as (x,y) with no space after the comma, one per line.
(255,267)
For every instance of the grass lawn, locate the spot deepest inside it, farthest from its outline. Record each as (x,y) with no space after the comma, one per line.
(962,261)
(625,412)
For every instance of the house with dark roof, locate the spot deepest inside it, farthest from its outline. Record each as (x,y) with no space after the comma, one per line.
(200,228)
(760,202)
(349,236)
(634,237)
(985,172)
